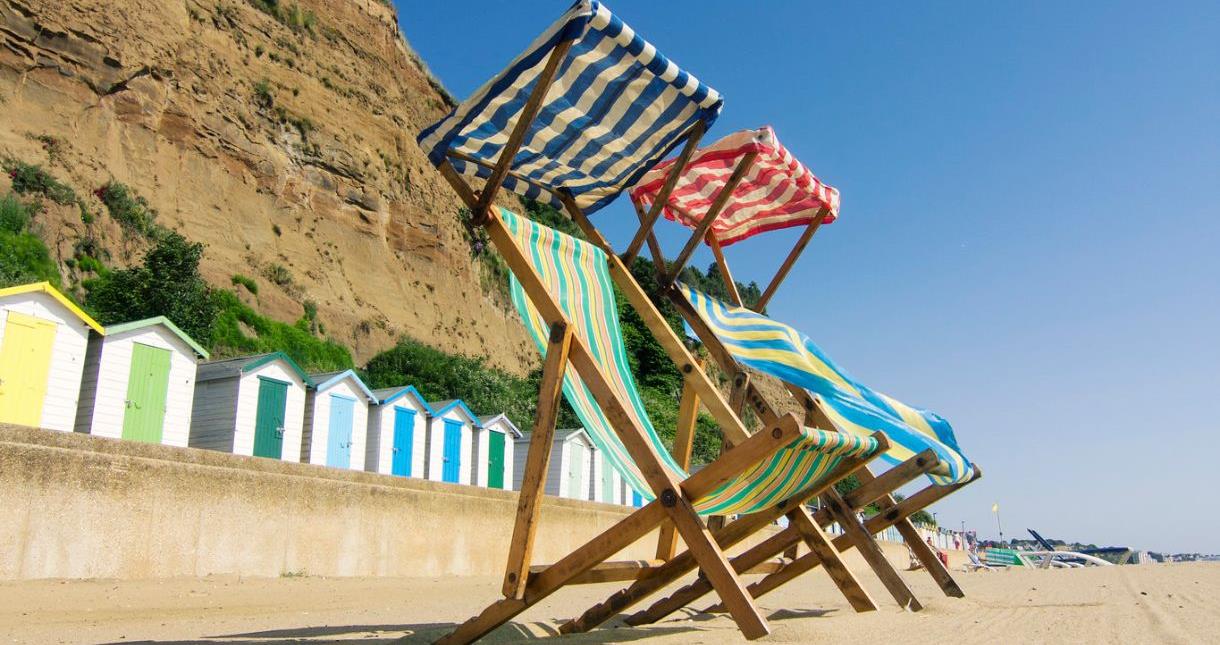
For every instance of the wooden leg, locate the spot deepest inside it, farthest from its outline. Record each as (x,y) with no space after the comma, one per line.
(671,180)
(922,551)
(868,548)
(546,582)
(790,260)
(684,441)
(705,224)
(725,274)
(533,481)
(819,544)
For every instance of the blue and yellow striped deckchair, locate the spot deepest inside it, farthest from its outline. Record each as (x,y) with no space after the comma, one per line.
(615,108)
(577,274)
(777,349)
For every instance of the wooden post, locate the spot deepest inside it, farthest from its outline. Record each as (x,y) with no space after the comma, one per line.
(795,253)
(517,137)
(868,548)
(692,142)
(843,577)
(684,441)
(725,273)
(533,482)
(654,247)
(718,204)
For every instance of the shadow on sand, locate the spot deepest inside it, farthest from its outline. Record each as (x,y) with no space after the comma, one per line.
(418,633)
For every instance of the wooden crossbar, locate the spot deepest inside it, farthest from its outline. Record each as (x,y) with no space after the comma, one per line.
(782,273)
(692,142)
(709,218)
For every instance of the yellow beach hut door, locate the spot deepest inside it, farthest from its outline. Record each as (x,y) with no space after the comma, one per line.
(25,364)
(147,385)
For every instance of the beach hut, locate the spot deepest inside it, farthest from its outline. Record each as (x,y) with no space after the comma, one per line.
(250,405)
(451,429)
(336,420)
(43,341)
(570,473)
(609,485)
(493,451)
(139,383)
(397,428)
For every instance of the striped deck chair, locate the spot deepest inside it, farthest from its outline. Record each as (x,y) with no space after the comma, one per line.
(563,289)
(920,441)
(740,186)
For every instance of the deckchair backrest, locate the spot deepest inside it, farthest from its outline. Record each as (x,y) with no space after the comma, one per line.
(777,191)
(615,108)
(578,274)
(777,349)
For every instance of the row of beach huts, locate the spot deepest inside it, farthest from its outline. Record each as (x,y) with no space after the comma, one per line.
(148,381)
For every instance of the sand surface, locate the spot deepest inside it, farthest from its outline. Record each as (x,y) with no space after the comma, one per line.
(1176,603)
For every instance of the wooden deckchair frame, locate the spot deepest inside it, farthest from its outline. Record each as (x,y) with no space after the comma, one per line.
(525,585)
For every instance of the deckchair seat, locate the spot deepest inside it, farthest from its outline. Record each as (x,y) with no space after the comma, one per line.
(616,107)
(779,350)
(577,273)
(777,191)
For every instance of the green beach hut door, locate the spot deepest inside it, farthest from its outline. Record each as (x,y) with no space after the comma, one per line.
(147,386)
(452,459)
(339,435)
(269,420)
(404,435)
(495,460)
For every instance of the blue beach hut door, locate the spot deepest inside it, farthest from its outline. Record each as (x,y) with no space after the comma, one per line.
(404,434)
(452,467)
(339,434)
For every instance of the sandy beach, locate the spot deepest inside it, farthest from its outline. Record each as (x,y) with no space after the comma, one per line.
(1175,603)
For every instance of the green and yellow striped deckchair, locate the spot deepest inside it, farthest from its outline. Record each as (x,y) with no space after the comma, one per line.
(576,273)
(775,348)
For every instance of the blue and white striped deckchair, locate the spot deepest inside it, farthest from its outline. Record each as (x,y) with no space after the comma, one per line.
(777,349)
(616,107)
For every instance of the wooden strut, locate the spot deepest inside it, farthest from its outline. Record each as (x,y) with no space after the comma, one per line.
(789,261)
(705,224)
(533,483)
(725,274)
(684,442)
(692,142)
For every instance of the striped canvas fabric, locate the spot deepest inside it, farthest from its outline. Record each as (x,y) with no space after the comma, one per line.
(616,107)
(578,275)
(779,350)
(777,192)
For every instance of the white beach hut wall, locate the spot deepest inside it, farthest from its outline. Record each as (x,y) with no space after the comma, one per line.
(450,441)
(398,425)
(139,383)
(336,420)
(250,405)
(494,451)
(43,341)
(570,473)
(608,485)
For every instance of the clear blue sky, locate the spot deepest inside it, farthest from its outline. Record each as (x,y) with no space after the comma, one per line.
(1030,232)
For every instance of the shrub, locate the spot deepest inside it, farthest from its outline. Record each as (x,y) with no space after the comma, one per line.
(278,274)
(128,209)
(247,282)
(14,216)
(29,179)
(168,284)
(24,258)
(311,352)
(263,95)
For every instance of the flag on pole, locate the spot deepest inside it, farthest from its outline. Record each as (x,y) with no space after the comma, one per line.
(995,508)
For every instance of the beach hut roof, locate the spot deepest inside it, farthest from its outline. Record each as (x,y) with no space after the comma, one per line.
(488,419)
(441,407)
(562,434)
(164,322)
(238,365)
(327,380)
(45,287)
(387,395)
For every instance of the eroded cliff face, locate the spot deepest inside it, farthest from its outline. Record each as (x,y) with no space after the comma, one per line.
(273,140)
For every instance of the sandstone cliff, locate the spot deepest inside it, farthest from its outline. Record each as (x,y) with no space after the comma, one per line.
(275,138)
